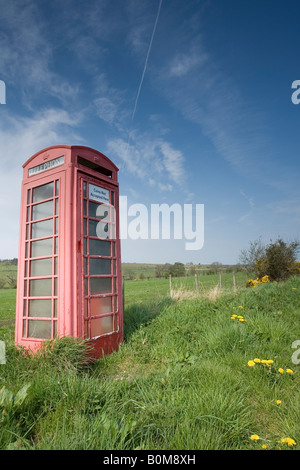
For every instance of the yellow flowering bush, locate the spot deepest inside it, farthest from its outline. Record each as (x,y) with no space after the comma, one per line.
(255,282)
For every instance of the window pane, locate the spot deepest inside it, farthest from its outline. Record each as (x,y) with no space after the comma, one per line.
(39,329)
(100,285)
(99,266)
(40,308)
(99,247)
(98,229)
(56,187)
(43,210)
(43,192)
(40,288)
(41,267)
(56,207)
(42,229)
(100,305)
(41,248)
(98,211)
(101,326)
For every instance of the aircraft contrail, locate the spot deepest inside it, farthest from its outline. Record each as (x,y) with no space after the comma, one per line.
(146,61)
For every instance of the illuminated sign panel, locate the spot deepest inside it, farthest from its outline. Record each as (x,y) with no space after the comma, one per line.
(46,166)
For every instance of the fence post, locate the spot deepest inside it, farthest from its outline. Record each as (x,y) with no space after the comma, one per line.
(196,282)
(234,281)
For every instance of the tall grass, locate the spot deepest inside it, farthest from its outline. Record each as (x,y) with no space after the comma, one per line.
(181,379)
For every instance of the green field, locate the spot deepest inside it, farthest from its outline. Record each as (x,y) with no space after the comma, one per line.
(180,380)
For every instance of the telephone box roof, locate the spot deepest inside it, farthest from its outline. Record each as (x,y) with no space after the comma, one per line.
(75,149)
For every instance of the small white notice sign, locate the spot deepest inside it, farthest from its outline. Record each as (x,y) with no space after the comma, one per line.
(98,194)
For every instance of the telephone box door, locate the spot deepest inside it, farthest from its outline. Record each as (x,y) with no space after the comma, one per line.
(101,289)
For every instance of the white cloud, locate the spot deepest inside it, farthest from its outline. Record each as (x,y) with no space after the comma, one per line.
(173,161)
(154,161)
(182,64)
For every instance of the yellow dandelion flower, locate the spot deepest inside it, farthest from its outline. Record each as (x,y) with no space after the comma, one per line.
(264,361)
(270,361)
(264,446)
(280,370)
(256,360)
(251,363)
(254,437)
(278,402)
(242,319)
(290,371)
(240,316)
(240,306)
(287,440)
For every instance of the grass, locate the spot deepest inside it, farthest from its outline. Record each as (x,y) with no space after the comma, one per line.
(180,380)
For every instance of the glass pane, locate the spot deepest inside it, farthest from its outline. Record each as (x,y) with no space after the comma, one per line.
(40,288)
(28,196)
(24,329)
(56,187)
(40,308)
(100,285)
(98,211)
(43,192)
(54,328)
(56,207)
(39,329)
(43,210)
(101,326)
(99,229)
(41,248)
(99,266)
(100,305)
(42,229)
(99,247)
(55,308)
(41,267)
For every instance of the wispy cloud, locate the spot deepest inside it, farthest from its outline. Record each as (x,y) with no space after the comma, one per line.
(26,59)
(156,162)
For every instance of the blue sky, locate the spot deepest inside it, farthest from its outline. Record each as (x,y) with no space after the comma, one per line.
(190,99)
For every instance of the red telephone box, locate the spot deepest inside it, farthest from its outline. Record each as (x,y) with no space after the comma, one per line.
(69,267)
